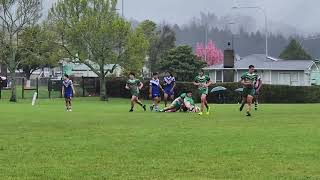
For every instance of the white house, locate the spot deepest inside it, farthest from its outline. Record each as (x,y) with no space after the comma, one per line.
(272,70)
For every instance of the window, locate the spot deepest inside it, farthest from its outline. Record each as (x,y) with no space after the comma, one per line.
(218,76)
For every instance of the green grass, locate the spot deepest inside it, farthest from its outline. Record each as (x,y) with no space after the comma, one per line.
(104,141)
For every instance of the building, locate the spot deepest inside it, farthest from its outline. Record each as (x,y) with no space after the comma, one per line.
(79,70)
(272,71)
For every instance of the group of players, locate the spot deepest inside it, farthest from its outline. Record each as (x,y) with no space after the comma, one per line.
(250,81)
(183,102)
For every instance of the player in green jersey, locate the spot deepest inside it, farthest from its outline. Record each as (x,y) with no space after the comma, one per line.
(257,88)
(249,82)
(190,106)
(135,85)
(177,103)
(203,82)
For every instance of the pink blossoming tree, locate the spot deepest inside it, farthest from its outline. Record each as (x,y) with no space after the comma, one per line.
(210,53)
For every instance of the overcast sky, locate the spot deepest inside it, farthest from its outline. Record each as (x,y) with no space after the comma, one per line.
(302,14)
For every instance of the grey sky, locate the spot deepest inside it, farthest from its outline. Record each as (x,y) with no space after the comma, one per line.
(301,14)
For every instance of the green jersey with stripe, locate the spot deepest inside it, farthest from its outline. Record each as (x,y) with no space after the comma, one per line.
(134,84)
(183,95)
(202,80)
(189,100)
(250,78)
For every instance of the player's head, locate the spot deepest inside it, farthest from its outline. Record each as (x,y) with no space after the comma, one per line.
(132,75)
(168,73)
(251,69)
(201,72)
(66,76)
(155,75)
(189,93)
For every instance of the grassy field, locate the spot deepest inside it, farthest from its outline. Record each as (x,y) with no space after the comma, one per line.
(104,141)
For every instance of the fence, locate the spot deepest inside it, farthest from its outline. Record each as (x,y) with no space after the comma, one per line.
(51,88)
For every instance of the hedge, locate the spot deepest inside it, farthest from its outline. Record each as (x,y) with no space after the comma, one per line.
(269,93)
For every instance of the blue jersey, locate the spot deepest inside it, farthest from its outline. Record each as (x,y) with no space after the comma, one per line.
(155,86)
(67,84)
(169,83)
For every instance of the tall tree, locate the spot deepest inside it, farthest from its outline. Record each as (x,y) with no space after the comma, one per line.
(210,53)
(37,50)
(93,33)
(183,62)
(15,16)
(294,51)
(161,44)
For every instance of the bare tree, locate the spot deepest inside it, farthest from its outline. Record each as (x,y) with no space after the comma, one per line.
(15,16)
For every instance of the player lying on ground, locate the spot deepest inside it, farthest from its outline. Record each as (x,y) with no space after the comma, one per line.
(183,103)
(190,106)
(155,92)
(68,92)
(247,80)
(203,82)
(135,85)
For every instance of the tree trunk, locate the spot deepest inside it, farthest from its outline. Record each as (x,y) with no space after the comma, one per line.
(103,89)
(13,97)
(28,81)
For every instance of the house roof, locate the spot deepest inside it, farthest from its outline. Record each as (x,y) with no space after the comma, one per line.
(261,62)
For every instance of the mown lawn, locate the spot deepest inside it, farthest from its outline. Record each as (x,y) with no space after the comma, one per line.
(104,141)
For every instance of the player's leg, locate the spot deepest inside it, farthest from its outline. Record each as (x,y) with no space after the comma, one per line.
(138,101)
(249,102)
(206,103)
(154,102)
(133,101)
(172,97)
(70,104)
(158,100)
(173,106)
(165,98)
(256,102)
(67,103)
(243,102)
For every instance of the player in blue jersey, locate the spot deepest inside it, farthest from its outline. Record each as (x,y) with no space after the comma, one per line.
(169,85)
(155,92)
(68,91)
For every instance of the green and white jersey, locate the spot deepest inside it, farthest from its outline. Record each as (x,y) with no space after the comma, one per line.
(252,78)
(189,100)
(203,80)
(183,95)
(134,84)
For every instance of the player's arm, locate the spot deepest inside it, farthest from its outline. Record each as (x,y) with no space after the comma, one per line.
(62,90)
(127,87)
(244,83)
(173,87)
(140,85)
(73,90)
(209,83)
(161,88)
(196,83)
(259,85)
(150,90)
